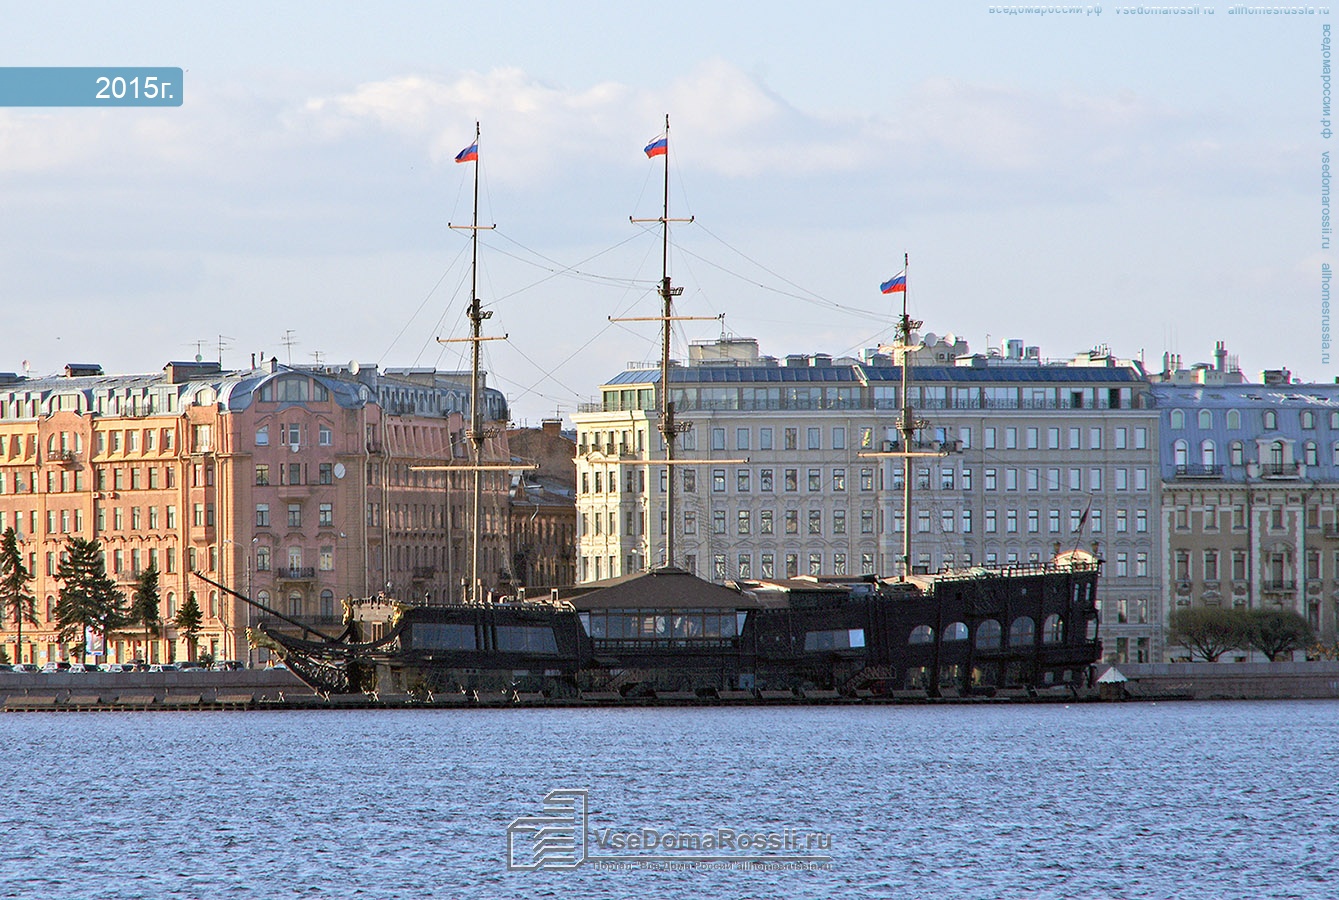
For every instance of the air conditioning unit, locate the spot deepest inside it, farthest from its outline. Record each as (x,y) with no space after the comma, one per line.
(889,446)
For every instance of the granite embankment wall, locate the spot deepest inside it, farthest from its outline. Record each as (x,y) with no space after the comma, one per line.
(121,690)
(1233,681)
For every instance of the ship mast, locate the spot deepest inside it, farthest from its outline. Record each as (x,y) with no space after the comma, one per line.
(477,434)
(669,428)
(907,427)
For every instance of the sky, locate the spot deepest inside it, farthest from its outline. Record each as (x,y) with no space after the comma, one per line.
(1147,182)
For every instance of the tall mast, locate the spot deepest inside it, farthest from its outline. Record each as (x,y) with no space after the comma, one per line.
(669,429)
(477,434)
(907,427)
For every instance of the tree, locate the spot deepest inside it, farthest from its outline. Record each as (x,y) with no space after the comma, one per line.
(144,605)
(88,598)
(1277,633)
(14,596)
(1208,631)
(188,623)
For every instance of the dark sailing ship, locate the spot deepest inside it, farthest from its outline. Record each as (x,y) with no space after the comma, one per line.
(667,632)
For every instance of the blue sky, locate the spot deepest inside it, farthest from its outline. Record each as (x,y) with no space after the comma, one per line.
(1147,182)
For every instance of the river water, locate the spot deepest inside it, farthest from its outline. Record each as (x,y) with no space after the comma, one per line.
(1184,800)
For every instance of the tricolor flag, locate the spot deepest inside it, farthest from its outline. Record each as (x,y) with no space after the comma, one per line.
(469,154)
(895,285)
(658,146)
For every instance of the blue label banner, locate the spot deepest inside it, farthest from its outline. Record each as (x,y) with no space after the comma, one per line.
(90,86)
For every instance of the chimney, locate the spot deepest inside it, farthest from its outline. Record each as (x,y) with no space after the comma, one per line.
(551,426)
(1220,357)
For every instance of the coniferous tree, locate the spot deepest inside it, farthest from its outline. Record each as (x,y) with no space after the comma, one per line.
(88,597)
(14,597)
(188,623)
(144,605)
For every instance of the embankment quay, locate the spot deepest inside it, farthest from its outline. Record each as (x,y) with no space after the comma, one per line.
(279,689)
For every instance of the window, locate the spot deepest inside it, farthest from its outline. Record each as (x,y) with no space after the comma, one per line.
(1033,521)
(990,479)
(792,438)
(743,522)
(295,515)
(718,481)
(1141,438)
(792,480)
(262,559)
(718,438)
(814,439)
(1234,420)
(866,479)
(815,479)
(946,521)
(742,481)
(792,521)
(765,480)
(839,521)
(989,438)
(262,475)
(262,515)
(689,522)
(1011,439)
(325,516)
(690,481)
(326,473)
(1031,438)
(1074,439)
(1271,420)
(1053,439)
(990,521)
(815,521)
(718,521)
(764,438)
(325,437)
(1177,419)
(867,521)
(839,479)
(741,439)
(838,438)
(765,522)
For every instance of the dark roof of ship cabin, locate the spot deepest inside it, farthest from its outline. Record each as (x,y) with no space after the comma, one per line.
(664,588)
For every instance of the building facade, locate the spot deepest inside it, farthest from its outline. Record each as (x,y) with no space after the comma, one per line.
(1250,498)
(298,487)
(543,506)
(1029,458)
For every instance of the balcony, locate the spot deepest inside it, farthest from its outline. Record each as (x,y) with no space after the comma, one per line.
(302,573)
(1281,471)
(1279,585)
(1199,472)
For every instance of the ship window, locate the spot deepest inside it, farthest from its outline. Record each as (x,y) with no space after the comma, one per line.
(837,639)
(922,634)
(1053,630)
(442,637)
(988,635)
(1023,632)
(956,632)
(526,639)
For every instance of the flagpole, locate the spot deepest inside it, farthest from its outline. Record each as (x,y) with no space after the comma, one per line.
(908,425)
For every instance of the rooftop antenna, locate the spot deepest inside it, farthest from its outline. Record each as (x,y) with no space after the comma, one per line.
(288,342)
(224,343)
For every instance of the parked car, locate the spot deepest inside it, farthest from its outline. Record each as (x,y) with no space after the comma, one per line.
(52,667)
(83,667)
(190,667)
(163,667)
(119,667)
(226,665)
(24,668)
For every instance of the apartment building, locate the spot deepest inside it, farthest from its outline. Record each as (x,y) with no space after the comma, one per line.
(1250,493)
(1036,457)
(296,486)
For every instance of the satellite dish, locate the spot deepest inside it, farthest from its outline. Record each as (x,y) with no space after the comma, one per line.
(354,368)
(339,470)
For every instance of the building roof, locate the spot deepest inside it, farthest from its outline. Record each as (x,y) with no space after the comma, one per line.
(664,588)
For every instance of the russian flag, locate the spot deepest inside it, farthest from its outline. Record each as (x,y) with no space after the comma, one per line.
(895,285)
(469,154)
(658,147)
